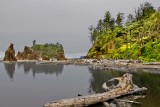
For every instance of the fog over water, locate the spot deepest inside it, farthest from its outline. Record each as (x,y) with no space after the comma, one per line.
(63,21)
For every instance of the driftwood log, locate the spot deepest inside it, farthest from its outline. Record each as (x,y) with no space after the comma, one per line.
(125,86)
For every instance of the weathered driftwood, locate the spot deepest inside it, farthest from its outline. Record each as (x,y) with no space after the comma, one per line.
(152,63)
(128,101)
(124,87)
(106,104)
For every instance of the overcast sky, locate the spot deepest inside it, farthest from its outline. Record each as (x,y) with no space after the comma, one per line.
(51,21)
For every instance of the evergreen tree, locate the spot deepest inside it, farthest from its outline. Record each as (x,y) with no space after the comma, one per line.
(130,19)
(119,19)
(144,11)
(100,26)
(106,20)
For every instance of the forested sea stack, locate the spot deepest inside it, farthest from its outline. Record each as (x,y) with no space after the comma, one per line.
(10,54)
(27,54)
(52,51)
(42,52)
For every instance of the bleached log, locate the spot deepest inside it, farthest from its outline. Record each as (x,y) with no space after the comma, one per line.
(124,87)
(128,101)
(106,104)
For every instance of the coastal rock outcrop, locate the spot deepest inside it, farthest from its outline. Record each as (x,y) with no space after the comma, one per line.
(10,54)
(28,54)
(61,56)
(42,52)
(50,51)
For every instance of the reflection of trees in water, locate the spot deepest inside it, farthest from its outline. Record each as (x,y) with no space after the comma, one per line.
(27,66)
(149,80)
(98,78)
(35,68)
(152,82)
(48,69)
(20,65)
(10,69)
(41,68)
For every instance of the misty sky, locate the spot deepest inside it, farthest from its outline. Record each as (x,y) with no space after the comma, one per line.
(51,21)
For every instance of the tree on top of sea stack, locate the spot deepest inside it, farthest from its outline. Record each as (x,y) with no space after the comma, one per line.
(10,54)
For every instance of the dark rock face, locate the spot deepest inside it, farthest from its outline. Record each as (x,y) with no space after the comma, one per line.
(10,54)
(45,57)
(19,56)
(50,51)
(28,54)
(61,56)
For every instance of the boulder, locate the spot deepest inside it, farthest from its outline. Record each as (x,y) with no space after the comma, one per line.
(10,54)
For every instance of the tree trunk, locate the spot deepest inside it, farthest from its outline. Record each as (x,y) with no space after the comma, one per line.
(124,87)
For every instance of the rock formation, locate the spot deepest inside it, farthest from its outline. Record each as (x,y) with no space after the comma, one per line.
(45,57)
(28,54)
(42,52)
(61,56)
(10,54)
(50,51)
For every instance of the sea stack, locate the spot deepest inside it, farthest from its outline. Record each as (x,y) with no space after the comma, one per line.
(10,54)
(27,54)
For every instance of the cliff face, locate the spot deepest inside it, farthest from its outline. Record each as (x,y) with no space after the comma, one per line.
(10,54)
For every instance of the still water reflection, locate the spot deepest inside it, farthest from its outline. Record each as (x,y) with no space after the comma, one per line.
(32,85)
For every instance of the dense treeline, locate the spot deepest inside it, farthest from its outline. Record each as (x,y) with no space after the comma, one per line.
(49,49)
(137,38)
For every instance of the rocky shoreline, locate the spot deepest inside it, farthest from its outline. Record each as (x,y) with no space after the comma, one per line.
(28,55)
(104,64)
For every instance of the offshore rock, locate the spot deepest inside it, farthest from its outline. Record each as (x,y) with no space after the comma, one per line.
(45,57)
(10,54)
(50,51)
(28,54)
(61,56)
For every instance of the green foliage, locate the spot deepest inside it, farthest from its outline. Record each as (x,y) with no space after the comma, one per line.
(139,38)
(144,11)
(51,50)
